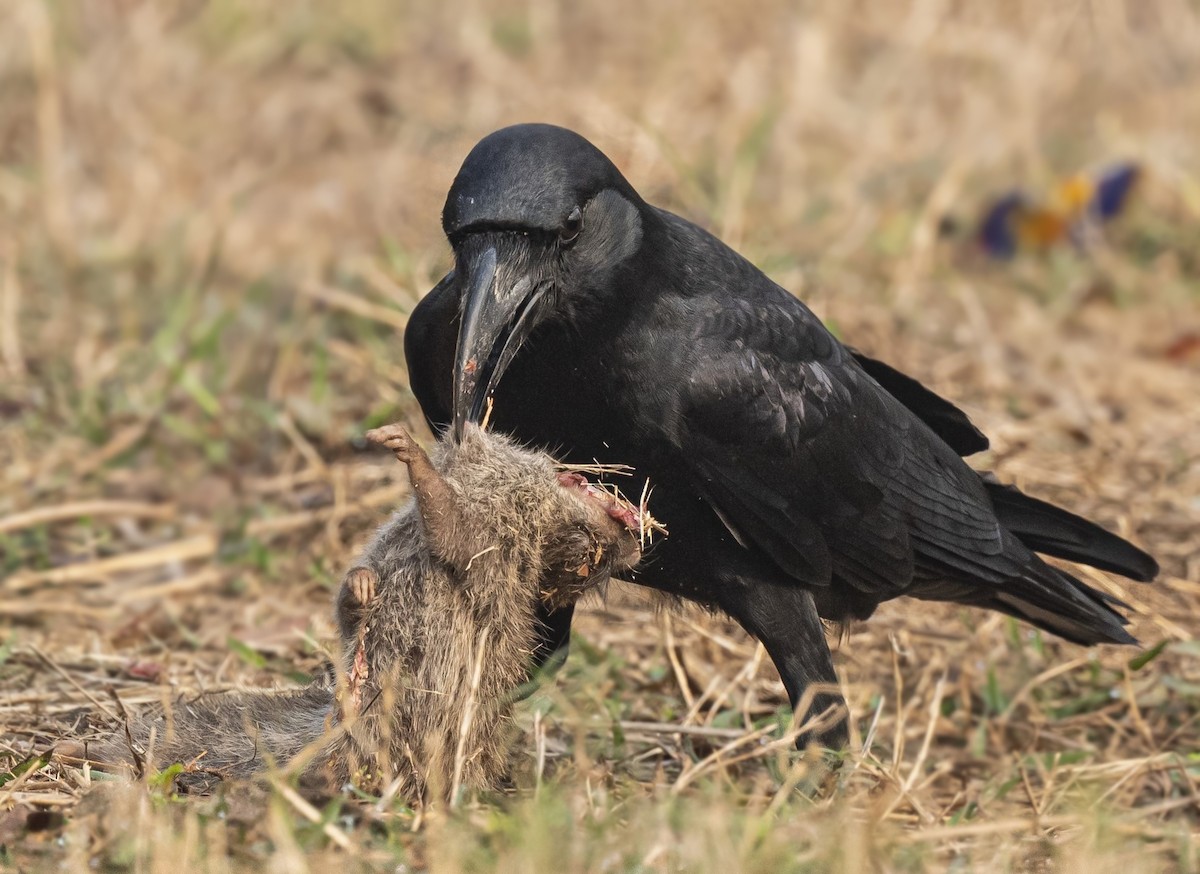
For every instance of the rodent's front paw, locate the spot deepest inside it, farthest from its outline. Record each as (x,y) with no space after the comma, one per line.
(362,584)
(397,439)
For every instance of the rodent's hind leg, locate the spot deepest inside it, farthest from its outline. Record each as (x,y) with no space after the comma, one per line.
(359,588)
(442,516)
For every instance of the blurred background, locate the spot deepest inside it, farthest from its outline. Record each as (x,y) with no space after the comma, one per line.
(216,215)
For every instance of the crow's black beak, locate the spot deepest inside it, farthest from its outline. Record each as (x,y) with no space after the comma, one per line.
(499,310)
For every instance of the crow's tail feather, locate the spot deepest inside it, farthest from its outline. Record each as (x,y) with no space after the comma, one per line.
(1044,596)
(1048,529)
(1057,602)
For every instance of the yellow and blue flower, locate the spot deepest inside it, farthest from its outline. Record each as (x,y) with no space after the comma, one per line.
(1073,213)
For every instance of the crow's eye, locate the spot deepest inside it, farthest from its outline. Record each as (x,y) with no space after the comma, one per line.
(571,226)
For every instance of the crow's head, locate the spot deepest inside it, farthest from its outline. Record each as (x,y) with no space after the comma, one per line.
(539,220)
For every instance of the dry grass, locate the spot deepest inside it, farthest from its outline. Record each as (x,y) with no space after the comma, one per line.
(214,217)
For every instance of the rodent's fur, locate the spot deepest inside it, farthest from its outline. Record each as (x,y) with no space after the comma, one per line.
(438,621)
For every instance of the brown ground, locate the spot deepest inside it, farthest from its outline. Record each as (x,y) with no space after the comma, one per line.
(214,217)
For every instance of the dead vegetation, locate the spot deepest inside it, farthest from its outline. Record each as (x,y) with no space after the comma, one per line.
(213,219)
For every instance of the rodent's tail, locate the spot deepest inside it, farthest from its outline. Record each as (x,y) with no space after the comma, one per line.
(231,734)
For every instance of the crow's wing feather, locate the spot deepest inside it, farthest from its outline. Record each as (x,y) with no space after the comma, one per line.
(943,418)
(806,456)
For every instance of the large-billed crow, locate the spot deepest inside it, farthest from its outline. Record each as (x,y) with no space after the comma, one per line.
(799,480)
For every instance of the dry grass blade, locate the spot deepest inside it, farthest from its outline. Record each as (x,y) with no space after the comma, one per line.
(10,304)
(50,663)
(205,579)
(46,607)
(1003,826)
(313,815)
(81,509)
(599,469)
(723,755)
(682,729)
(201,546)
(351,303)
(935,705)
(468,717)
(135,751)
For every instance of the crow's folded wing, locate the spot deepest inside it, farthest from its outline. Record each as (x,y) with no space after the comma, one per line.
(803,455)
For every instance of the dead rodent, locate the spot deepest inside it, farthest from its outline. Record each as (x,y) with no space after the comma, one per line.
(438,621)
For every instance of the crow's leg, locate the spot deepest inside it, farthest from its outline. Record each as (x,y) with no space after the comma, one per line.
(785,619)
(702,561)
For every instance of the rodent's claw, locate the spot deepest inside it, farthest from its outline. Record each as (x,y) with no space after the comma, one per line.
(363,584)
(397,439)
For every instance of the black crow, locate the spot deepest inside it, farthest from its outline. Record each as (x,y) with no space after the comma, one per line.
(798,479)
